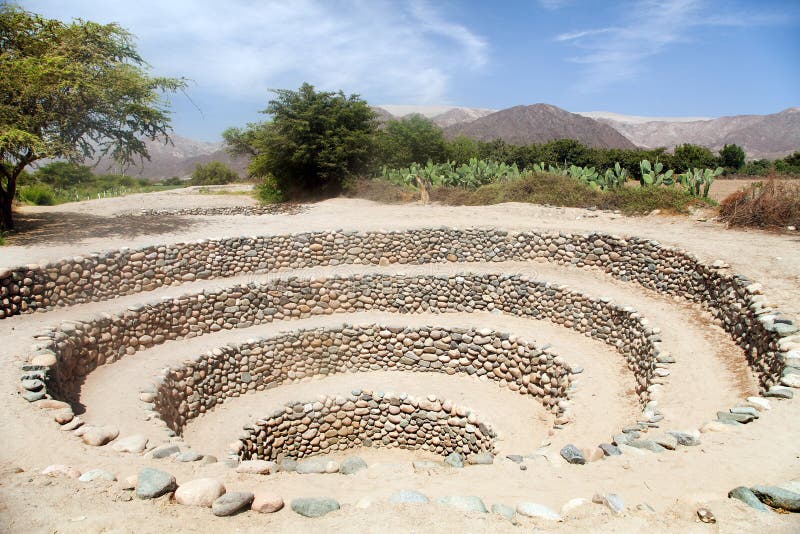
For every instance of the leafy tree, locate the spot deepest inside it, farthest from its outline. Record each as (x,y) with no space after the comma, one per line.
(790,164)
(688,156)
(732,157)
(213,173)
(68,90)
(63,174)
(414,139)
(314,141)
(461,150)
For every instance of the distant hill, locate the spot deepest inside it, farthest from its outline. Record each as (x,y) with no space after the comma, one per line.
(539,123)
(762,136)
(459,116)
(177,159)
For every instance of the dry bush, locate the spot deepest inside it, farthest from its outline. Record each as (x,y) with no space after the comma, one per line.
(380,191)
(764,204)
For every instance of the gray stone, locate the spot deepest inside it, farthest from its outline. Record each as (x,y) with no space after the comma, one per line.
(408,496)
(685,438)
(516,458)
(467,503)
(134,444)
(165,451)
(287,464)
(189,456)
(737,417)
(481,458)
(152,483)
(572,454)
(454,460)
(232,503)
(351,465)
(667,441)
(609,449)
(33,396)
(314,507)
(426,465)
(504,511)
(778,497)
(95,474)
(746,410)
(621,439)
(779,392)
(748,497)
(540,511)
(646,444)
(312,465)
(32,384)
(611,500)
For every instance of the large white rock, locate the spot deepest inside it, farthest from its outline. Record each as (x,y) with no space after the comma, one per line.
(532,509)
(199,492)
(135,443)
(257,467)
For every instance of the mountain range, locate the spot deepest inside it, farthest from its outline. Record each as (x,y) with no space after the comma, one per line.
(762,136)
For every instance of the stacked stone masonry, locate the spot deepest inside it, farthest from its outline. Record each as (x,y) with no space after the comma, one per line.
(189,390)
(80,347)
(365,419)
(731,298)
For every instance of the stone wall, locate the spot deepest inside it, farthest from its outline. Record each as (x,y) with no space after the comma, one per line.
(365,420)
(670,271)
(197,386)
(80,347)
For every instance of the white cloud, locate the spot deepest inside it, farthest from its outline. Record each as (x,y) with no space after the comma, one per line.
(617,54)
(242,48)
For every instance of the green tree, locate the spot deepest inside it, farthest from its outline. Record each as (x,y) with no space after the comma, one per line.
(63,174)
(68,90)
(732,157)
(688,156)
(414,139)
(461,150)
(314,141)
(213,173)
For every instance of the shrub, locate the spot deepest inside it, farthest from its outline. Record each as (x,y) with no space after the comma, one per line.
(690,156)
(759,167)
(172,180)
(62,174)
(732,157)
(764,204)
(37,194)
(213,173)
(268,192)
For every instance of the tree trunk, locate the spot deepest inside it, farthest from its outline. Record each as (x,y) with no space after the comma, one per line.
(6,217)
(425,197)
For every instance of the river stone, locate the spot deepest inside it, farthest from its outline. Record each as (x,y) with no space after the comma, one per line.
(572,454)
(748,497)
(481,458)
(33,396)
(779,392)
(573,504)
(408,496)
(61,470)
(152,483)
(609,449)
(778,497)
(313,507)
(611,500)
(165,451)
(746,410)
(312,465)
(540,511)
(231,503)
(791,380)
(199,492)
(352,465)
(667,441)
(467,503)
(287,464)
(94,474)
(257,467)
(454,460)
(504,511)
(136,443)
(266,503)
(737,417)
(98,436)
(646,444)
(188,456)
(687,439)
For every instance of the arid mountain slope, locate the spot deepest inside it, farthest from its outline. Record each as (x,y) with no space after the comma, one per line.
(539,123)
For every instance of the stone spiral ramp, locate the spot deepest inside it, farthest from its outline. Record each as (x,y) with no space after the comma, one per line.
(709,374)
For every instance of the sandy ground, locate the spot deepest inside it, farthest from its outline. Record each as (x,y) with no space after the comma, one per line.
(709,375)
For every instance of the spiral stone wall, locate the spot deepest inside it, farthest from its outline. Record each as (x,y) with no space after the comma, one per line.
(81,346)
(365,419)
(667,270)
(197,386)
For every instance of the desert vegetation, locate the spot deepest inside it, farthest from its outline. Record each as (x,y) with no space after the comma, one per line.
(763,204)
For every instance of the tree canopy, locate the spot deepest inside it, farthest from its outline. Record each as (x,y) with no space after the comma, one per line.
(414,139)
(213,173)
(732,157)
(69,90)
(313,142)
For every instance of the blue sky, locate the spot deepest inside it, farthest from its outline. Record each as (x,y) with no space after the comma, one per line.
(638,57)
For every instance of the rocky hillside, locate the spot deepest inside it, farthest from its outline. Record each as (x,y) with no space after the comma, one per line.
(539,123)
(762,136)
(177,159)
(459,116)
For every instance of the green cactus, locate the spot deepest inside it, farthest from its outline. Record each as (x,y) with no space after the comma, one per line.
(698,182)
(652,175)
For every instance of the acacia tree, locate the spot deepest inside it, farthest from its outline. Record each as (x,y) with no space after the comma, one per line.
(315,140)
(70,90)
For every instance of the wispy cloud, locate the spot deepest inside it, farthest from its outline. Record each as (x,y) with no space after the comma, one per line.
(617,54)
(241,48)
